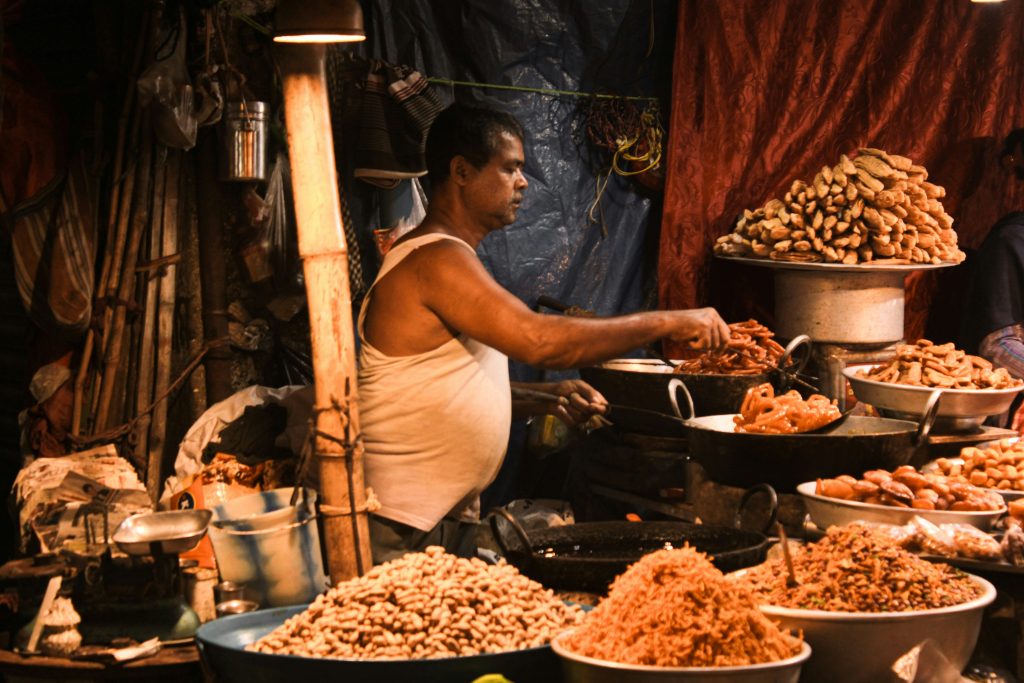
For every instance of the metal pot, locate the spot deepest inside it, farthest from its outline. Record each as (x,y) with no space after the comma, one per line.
(588,556)
(642,383)
(786,460)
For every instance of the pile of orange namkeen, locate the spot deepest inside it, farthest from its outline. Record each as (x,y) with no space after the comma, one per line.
(674,608)
(763,412)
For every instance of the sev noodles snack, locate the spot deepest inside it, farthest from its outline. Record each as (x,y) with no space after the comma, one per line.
(423,606)
(674,608)
(763,412)
(750,351)
(857,569)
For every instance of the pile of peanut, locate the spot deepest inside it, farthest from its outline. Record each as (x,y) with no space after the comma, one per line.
(1000,466)
(926,364)
(905,487)
(425,605)
(875,206)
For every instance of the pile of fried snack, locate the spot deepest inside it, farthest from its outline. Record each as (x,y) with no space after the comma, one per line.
(999,465)
(855,568)
(905,487)
(750,351)
(926,364)
(762,412)
(423,606)
(874,207)
(674,608)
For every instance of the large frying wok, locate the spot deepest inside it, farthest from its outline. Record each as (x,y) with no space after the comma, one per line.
(641,383)
(858,444)
(588,556)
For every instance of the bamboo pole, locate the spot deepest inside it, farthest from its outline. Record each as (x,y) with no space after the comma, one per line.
(339,454)
(140,219)
(165,327)
(147,349)
(212,271)
(112,222)
(192,282)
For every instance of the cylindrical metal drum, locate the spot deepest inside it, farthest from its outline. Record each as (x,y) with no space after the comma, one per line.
(244,138)
(841,307)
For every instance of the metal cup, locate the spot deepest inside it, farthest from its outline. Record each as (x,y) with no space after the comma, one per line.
(226,591)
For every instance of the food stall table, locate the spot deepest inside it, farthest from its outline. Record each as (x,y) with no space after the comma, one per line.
(171,663)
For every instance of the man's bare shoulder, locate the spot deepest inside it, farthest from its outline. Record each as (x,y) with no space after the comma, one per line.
(443,256)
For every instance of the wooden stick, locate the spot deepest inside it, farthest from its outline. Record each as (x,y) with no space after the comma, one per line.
(212,271)
(339,452)
(112,221)
(192,284)
(44,607)
(140,218)
(124,219)
(791,580)
(165,330)
(147,350)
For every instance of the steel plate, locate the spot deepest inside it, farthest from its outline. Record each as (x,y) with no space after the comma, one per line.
(222,645)
(835,267)
(826,512)
(969,406)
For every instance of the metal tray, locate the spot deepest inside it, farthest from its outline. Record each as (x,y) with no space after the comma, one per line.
(959,409)
(826,512)
(869,267)
(162,533)
(222,645)
(977,566)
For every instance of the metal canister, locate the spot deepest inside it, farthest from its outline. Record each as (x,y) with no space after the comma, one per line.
(841,307)
(244,141)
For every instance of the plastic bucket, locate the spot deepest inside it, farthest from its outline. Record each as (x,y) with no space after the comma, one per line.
(270,546)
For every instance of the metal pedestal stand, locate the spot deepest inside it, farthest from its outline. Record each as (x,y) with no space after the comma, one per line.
(854,313)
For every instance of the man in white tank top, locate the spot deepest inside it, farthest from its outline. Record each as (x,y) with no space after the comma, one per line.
(437,331)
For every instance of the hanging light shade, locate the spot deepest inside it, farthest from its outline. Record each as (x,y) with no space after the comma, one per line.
(318,21)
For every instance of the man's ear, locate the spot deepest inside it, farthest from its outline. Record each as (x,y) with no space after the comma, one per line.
(459,168)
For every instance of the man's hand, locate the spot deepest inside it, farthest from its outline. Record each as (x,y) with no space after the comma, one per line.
(700,328)
(578,402)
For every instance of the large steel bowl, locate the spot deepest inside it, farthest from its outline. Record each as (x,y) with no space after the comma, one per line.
(861,647)
(826,512)
(959,409)
(579,669)
(222,645)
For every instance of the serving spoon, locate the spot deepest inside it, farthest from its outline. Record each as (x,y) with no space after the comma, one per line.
(833,424)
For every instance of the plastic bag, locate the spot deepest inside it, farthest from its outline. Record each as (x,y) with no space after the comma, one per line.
(925,663)
(267,252)
(401,210)
(165,87)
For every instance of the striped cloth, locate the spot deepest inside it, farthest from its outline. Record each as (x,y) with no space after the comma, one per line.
(54,237)
(391,108)
(1005,348)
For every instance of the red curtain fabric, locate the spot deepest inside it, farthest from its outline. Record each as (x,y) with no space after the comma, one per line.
(768,92)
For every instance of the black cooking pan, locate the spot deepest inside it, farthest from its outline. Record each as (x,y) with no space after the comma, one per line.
(642,382)
(588,556)
(785,460)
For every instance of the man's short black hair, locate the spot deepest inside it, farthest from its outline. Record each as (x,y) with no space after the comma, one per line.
(467,130)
